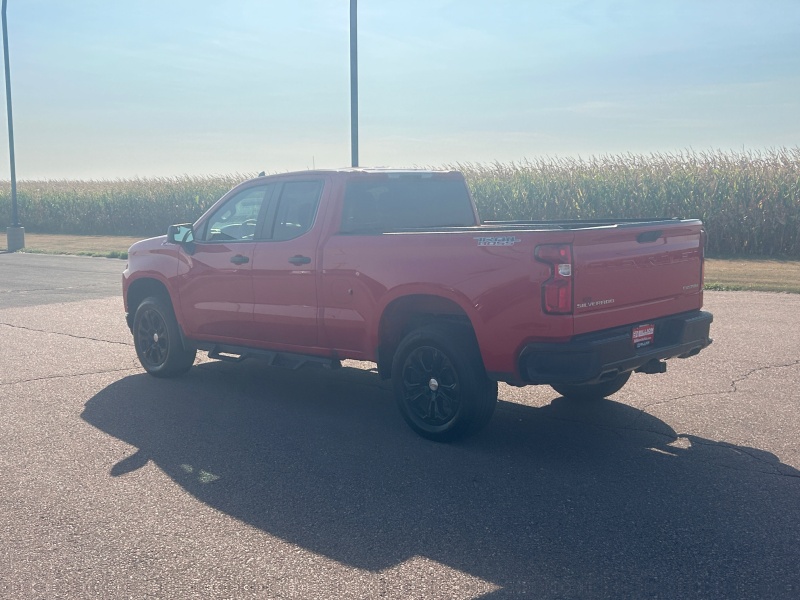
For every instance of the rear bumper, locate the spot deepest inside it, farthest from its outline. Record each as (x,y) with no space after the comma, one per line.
(602,355)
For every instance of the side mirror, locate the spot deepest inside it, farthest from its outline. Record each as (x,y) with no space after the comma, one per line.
(182,234)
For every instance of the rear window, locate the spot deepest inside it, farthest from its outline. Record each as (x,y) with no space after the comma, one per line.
(373,205)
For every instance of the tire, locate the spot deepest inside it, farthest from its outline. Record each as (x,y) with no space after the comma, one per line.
(592,391)
(440,385)
(158,341)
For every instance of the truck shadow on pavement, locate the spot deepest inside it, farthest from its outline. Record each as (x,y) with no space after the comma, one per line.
(559,501)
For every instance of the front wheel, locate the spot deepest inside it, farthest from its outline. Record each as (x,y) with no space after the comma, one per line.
(440,385)
(158,341)
(592,391)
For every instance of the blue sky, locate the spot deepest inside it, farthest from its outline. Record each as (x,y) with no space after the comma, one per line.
(111,89)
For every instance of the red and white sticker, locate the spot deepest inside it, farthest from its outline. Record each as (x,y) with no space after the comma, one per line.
(643,335)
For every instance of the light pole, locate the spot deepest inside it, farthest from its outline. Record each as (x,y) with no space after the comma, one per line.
(15,233)
(353,83)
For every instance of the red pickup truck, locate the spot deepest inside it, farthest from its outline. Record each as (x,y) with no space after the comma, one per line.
(396,267)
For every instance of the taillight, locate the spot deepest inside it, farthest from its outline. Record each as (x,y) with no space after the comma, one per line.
(557,290)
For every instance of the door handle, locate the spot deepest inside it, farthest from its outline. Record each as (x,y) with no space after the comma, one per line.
(239,259)
(299,260)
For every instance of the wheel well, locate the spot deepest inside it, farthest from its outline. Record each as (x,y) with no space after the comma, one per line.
(141,289)
(411,312)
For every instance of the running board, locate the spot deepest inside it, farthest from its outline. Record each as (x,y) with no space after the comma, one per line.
(285,360)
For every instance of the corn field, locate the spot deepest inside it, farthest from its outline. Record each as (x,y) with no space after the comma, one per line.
(134,207)
(750,202)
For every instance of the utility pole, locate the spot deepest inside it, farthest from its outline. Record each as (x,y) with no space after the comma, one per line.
(15,233)
(353,83)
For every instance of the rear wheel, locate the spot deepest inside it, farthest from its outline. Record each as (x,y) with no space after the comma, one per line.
(440,385)
(158,341)
(592,391)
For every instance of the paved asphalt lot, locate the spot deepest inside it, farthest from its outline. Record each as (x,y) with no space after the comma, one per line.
(241,481)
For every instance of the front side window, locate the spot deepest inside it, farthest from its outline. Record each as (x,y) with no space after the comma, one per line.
(297,208)
(237,219)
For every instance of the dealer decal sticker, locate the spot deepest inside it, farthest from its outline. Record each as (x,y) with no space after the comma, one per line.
(643,335)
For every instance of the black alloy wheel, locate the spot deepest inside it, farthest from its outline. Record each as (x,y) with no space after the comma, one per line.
(440,385)
(157,339)
(152,338)
(431,388)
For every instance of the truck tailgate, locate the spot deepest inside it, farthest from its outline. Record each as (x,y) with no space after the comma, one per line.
(633,272)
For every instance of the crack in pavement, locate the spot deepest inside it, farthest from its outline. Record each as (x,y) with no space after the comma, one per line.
(759,369)
(72,335)
(67,375)
(731,390)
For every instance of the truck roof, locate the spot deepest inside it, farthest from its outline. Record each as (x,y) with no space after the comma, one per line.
(365,170)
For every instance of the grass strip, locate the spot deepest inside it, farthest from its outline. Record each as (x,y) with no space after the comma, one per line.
(760,275)
(108,246)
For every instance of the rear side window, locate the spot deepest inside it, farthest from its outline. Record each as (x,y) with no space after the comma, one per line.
(297,208)
(375,205)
